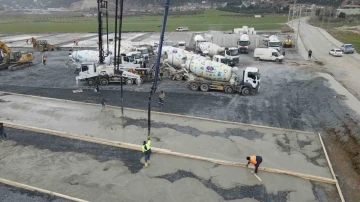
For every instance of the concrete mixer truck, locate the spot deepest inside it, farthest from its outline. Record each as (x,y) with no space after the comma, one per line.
(204,47)
(208,75)
(244,43)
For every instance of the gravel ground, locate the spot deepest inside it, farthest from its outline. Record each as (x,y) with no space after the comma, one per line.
(168,175)
(13,194)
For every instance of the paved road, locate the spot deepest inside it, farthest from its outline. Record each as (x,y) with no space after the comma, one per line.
(345,69)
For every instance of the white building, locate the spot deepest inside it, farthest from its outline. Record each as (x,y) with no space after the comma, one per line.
(349,10)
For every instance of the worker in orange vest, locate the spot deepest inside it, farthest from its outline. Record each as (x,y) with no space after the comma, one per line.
(255,160)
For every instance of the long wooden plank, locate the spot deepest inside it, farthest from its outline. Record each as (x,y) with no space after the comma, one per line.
(164,151)
(331,169)
(31,188)
(167,114)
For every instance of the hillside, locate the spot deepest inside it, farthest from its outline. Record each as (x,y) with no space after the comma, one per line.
(84,4)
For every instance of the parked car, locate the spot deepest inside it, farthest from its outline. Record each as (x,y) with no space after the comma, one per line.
(347,48)
(182,29)
(336,52)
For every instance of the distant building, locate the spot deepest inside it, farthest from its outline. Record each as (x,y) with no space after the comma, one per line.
(348,10)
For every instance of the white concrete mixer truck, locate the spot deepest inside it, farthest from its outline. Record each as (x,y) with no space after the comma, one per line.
(208,75)
(205,47)
(244,43)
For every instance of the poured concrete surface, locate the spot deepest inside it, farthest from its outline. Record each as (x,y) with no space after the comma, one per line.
(294,151)
(102,173)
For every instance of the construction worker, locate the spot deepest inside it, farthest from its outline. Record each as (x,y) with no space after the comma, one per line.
(2,133)
(255,160)
(309,54)
(44,59)
(161,99)
(103,103)
(147,151)
(27,41)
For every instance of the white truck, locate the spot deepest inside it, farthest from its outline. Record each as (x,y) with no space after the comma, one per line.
(274,43)
(204,47)
(268,54)
(244,43)
(104,74)
(208,75)
(182,45)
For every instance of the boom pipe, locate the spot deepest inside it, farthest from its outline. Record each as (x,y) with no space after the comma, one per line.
(157,66)
(119,46)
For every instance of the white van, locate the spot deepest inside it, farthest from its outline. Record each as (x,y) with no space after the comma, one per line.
(268,54)
(182,45)
(182,29)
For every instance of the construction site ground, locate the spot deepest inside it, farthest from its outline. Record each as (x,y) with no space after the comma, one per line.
(293,95)
(96,172)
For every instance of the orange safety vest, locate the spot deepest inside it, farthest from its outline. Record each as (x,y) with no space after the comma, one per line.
(253,160)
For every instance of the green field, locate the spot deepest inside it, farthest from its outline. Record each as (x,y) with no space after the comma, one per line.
(209,20)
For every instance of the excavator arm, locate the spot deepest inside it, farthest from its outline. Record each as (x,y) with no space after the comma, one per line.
(5,48)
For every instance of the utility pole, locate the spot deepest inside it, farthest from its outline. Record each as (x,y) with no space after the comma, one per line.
(157,65)
(298,29)
(289,14)
(324,10)
(329,18)
(292,21)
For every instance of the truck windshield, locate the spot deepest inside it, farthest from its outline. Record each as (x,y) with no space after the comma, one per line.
(274,44)
(144,51)
(349,46)
(223,60)
(234,52)
(243,43)
(137,56)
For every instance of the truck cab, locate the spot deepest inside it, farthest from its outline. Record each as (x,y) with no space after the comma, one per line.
(182,45)
(232,55)
(243,46)
(250,83)
(144,52)
(87,69)
(132,57)
(220,58)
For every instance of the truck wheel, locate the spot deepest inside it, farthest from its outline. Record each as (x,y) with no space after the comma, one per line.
(276,60)
(246,91)
(41,49)
(194,86)
(229,89)
(204,87)
(139,83)
(91,82)
(129,82)
(104,81)
(178,77)
(257,58)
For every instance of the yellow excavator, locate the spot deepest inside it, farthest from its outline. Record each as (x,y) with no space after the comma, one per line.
(43,45)
(14,60)
(288,43)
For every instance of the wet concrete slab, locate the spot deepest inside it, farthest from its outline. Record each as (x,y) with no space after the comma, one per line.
(293,151)
(102,173)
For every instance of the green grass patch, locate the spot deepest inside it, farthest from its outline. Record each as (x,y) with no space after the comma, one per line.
(208,20)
